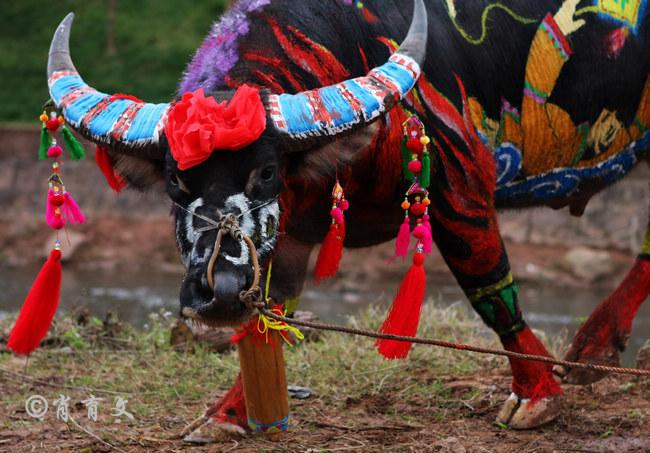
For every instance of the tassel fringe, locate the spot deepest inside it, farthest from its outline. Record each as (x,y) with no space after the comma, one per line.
(38,310)
(72,145)
(404,316)
(330,254)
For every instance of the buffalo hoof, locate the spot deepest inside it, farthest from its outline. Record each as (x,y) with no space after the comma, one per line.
(522,413)
(212,431)
(606,355)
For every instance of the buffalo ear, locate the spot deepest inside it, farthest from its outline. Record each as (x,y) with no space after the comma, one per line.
(321,162)
(141,173)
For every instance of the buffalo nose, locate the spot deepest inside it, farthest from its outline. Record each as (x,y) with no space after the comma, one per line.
(227,286)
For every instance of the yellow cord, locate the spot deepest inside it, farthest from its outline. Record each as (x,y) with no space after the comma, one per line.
(484,17)
(264,323)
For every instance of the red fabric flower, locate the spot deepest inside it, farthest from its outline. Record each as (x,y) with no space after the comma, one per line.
(197,125)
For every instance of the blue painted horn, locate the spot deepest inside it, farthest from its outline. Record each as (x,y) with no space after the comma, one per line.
(135,127)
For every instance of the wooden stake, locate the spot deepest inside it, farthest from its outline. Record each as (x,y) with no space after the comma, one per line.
(265,383)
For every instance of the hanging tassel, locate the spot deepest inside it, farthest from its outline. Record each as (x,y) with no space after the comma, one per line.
(330,254)
(403,239)
(72,145)
(71,210)
(404,316)
(46,142)
(38,310)
(103,161)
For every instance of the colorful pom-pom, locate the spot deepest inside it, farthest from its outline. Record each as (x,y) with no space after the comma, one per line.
(54,152)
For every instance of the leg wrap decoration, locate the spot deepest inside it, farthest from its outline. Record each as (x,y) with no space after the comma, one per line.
(498,306)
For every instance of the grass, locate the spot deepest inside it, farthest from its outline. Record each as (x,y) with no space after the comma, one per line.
(156,379)
(154,41)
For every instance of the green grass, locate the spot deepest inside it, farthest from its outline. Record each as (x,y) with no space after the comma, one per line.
(143,366)
(155,39)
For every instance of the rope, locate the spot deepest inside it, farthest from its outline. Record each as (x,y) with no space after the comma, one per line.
(449,345)
(254,298)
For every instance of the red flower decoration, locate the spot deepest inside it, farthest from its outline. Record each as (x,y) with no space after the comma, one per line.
(197,125)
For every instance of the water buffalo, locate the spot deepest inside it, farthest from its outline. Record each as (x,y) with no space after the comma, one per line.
(528,103)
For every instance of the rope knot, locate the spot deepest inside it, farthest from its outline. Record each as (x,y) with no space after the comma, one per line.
(229,224)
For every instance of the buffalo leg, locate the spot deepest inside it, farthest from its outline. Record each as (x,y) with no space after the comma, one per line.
(464,224)
(605,334)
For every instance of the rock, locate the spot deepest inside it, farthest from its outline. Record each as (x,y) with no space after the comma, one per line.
(588,264)
(70,243)
(643,357)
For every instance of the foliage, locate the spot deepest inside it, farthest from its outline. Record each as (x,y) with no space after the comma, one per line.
(154,41)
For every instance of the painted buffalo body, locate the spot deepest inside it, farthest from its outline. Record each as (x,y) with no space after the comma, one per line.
(543,103)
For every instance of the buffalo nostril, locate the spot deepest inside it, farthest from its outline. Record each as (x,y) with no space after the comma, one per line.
(227,286)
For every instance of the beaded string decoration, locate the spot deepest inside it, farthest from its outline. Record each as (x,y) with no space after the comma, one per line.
(404,316)
(42,300)
(329,256)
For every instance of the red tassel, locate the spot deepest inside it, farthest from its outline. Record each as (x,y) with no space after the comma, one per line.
(38,310)
(404,316)
(329,257)
(114,180)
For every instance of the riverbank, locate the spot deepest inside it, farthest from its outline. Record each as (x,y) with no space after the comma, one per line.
(438,400)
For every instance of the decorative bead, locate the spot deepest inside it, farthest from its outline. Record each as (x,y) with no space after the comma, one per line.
(420,232)
(43,117)
(345,205)
(426,202)
(52,125)
(414,145)
(406,205)
(418,209)
(56,199)
(415,166)
(61,119)
(425,140)
(337,215)
(54,151)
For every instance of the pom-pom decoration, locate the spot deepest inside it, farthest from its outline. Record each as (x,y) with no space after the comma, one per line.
(329,257)
(42,300)
(404,315)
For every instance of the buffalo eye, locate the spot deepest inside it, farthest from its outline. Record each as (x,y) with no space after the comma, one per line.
(267,173)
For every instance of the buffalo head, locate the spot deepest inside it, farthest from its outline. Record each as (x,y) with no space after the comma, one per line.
(242,183)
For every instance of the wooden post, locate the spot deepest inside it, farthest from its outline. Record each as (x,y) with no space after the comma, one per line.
(265,383)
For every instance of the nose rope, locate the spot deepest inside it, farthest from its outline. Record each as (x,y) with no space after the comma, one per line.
(229,225)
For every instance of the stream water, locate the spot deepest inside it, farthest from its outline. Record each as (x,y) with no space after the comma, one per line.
(556,310)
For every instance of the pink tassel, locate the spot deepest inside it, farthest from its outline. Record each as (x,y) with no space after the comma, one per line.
(71,209)
(427,242)
(403,239)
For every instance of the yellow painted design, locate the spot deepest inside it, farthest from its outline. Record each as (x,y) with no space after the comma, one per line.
(480,293)
(625,10)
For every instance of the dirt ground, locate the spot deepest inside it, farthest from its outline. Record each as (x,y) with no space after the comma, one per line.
(611,416)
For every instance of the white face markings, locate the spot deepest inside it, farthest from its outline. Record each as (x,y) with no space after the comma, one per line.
(240,205)
(246,223)
(191,235)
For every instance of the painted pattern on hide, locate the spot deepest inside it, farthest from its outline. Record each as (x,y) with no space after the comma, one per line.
(507,118)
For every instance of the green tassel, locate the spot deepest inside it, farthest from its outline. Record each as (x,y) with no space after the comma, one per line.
(72,145)
(406,158)
(46,142)
(425,176)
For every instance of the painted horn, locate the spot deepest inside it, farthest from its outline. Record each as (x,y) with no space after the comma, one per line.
(118,122)
(310,117)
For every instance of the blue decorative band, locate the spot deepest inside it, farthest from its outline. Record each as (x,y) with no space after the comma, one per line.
(269,428)
(105,118)
(336,108)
